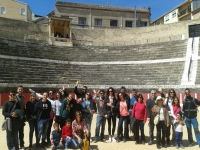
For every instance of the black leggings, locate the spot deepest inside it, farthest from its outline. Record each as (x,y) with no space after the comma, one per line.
(113,118)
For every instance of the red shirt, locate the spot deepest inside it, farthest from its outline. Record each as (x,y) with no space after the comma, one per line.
(139,111)
(66,131)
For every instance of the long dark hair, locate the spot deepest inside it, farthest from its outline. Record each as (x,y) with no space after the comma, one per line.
(173,103)
(79,112)
(173,91)
(107,93)
(140,95)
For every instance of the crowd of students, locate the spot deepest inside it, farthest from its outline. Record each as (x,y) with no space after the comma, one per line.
(72,118)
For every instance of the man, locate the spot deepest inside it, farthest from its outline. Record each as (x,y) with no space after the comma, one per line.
(150,103)
(42,111)
(21,99)
(101,117)
(132,101)
(83,93)
(51,99)
(190,113)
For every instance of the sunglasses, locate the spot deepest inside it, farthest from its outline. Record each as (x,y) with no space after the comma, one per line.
(139,97)
(153,93)
(50,93)
(84,89)
(88,94)
(12,94)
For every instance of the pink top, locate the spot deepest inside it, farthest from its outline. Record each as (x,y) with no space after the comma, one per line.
(123,108)
(139,111)
(175,110)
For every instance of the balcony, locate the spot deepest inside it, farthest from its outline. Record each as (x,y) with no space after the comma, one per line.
(184,12)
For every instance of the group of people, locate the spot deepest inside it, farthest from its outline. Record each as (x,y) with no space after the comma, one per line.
(72,118)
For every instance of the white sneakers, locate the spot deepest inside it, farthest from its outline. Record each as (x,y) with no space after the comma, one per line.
(111,139)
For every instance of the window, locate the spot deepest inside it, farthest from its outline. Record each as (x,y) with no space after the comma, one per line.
(23,11)
(167,18)
(143,24)
(113,23)
(82,21)
(174,14)
(98,22)
(2,10)
(129,24)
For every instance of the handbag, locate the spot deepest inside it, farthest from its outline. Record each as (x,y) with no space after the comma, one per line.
(7,124)
(156,119)
(86,143)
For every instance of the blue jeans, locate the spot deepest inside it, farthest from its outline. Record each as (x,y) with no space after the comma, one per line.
(12,139)
(70,142)
(195,124)
(57,146)
(100,122)
(42,129)
(178,138)
(33,126)
(80,145)
(151,130)
(120,123)
(139,126)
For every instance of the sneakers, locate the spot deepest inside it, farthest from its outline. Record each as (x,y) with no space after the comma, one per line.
(109,140)
(150,143)
(113,139)
(124,140)
(182,147)
(143,142)
(191,144)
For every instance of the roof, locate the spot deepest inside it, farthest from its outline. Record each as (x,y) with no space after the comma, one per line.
(92,6)
(186,1)
(20,2)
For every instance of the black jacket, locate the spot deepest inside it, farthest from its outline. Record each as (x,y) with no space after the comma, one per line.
(190,107)
(149,104)
(39,109)
(30,106)
(108,110)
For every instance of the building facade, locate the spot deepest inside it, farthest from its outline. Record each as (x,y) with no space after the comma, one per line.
(13,9)
(98,16)
(182,12)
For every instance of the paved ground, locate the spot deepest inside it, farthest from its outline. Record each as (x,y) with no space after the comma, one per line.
(129,145)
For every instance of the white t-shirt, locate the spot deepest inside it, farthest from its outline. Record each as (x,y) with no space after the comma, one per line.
(162,117)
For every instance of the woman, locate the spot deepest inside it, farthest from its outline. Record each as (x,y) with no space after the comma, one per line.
(31,118)
(65,110)
(79,127)
(175,108)
(8,111)
(110,103)
(168,104)
(163,123)
(122,111)
(88,109)
(139,112)
(57,106)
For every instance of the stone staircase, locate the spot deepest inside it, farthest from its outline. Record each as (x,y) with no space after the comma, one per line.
(34,63)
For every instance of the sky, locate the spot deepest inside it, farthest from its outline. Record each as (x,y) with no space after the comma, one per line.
(158,7)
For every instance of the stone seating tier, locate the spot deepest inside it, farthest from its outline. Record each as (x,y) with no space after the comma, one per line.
(33,49)
(33,72)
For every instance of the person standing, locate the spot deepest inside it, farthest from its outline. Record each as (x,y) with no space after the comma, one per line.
(139,112)
(83,93)
(42,110)
(122,109)
(190,112)
(8,112)
(163,123)
(101,115)
(32,119)
(21,99)
(149,104)
(110,103)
